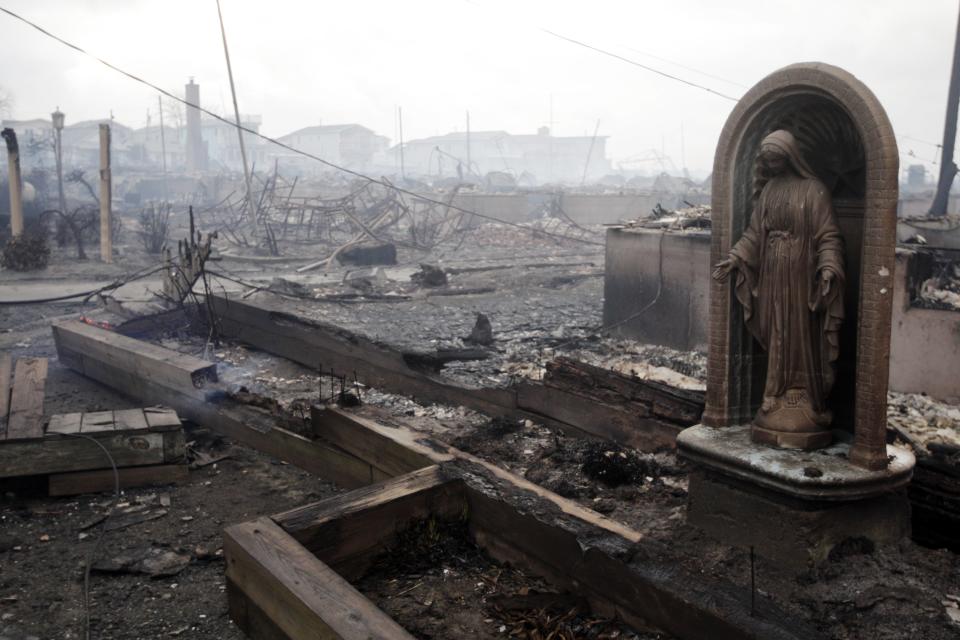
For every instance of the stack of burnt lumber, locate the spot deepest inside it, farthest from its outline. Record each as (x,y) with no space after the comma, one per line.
(74,450)
(152,374)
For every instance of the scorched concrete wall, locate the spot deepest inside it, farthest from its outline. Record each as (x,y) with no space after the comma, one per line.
(678,317)
(924,347)
(924,344)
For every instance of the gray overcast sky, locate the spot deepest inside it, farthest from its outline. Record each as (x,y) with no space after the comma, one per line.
(298,63)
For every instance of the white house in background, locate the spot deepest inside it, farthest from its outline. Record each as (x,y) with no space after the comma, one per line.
(223,147)
(81,144)
(348,145)
(35,139)
(547,157)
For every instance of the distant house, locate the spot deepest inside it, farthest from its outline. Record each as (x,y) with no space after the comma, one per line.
(349,145)
(549,158)
(81,144)
(35,139)
(146,145)
(223,147)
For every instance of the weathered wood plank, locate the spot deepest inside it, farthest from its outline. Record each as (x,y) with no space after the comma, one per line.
(637,588)
(598,419)
(250,618)
(60,454)
(312,343)
(301,595)
(65,423)
(129,420)
(401,436)
(245,424)
(26,399)
(347,531)
(655,413)
(161,418)
(96,422)
(6,368)
(143,360)
(75,483)
(339,427)
(682,406)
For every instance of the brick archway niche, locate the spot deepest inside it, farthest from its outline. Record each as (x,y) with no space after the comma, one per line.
(847,138)
(793,505)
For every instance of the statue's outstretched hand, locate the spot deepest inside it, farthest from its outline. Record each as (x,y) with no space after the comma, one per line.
(826,282)
(721,270)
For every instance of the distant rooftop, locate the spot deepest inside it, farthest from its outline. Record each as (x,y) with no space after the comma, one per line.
(326,128)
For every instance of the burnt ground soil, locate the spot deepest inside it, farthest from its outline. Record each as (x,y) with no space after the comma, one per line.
(439,585)
(892,592)
(45,542)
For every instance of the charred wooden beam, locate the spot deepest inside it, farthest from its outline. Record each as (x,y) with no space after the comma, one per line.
(154,375)
(348,531)
(577,398)
(294,594)
(521,523)
(679,406)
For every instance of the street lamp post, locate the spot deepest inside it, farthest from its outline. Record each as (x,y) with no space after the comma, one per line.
(57,117)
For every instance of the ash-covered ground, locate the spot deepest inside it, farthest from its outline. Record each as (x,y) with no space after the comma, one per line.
(542,299)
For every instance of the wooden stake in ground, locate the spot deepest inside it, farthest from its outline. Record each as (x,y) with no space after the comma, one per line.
(106,183)
(16,198)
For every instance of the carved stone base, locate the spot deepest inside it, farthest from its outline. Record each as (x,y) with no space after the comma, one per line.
(792,506)
(788,440)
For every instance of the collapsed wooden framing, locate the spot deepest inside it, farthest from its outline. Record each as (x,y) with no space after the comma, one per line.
(288,574)
(573,397)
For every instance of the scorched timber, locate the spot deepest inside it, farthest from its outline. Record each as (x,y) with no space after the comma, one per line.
(575,397)
(513,520)
(155,375)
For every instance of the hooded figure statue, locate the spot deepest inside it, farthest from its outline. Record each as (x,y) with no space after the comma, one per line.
(790,282)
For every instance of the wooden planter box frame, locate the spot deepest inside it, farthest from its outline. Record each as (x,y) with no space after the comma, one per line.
(288,575)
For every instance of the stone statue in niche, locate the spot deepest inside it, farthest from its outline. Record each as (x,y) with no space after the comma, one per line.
(789,279)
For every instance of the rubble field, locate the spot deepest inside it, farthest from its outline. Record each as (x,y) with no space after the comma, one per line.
(162,574)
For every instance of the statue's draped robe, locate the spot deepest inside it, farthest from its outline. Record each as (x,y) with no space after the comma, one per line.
(792,238)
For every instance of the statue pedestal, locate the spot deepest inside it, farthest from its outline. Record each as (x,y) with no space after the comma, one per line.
(792,506)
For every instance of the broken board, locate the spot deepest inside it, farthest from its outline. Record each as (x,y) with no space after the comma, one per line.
(146,445)
(21,398)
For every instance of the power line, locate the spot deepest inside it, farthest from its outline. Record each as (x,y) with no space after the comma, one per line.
(637,64)
(382,182)
(688,68)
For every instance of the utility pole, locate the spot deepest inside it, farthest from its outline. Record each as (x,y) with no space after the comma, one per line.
(163,147)
(468,143)
(403,173)
(550,141)
(683,152)
(57,118)
(106,191)
(16,186)
(593,140)
(236,113)
(948,168)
